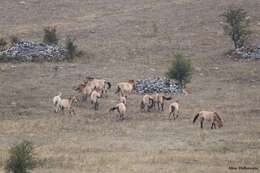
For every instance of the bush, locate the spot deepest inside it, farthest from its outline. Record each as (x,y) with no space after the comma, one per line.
(14,39)
(21,158)
(236,25)
(3,43)
(71,48)
(180,70)
(50,35)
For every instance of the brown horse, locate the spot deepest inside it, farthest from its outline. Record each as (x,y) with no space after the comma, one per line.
(212,117)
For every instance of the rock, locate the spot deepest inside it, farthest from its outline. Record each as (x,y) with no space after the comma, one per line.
(30,51)
(157,85)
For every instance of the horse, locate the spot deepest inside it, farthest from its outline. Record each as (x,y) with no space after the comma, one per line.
(56,100)
(67,104)
(147,102)
(95,95)
(174,110)
(125,88)
(159,100)
(121,109)
(100,84)
(212,117)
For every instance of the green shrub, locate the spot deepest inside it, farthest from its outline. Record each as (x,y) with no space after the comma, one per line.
(50,35)
(236,25)
(3,43)
(71,48)
(21,159)
(180,70)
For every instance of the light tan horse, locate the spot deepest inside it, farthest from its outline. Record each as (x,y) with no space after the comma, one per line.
(174,110)
(147,102)
(121,109)
(99,84)
(125,88)
(158,99)
(212,117)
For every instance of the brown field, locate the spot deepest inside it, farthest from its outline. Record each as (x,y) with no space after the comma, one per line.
(131,40)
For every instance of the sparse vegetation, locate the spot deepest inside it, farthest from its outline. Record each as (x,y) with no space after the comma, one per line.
(21,158)
(50,35)
(14,39)
(180,70)
(3,43)
(71,48)
(236,25)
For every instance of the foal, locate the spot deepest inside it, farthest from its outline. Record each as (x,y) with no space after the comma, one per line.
(212,117)
(125,88)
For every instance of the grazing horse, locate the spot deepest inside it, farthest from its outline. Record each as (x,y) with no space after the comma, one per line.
(147,102)
(212,117)
(100,84)
(125,88)
(121,109)
(67,104)
(174,110)
(159,100)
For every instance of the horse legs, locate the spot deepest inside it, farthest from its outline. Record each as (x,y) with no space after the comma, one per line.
(162,105)
(170,115)
(212,125)
(201,123)
(96,106)
(158,105)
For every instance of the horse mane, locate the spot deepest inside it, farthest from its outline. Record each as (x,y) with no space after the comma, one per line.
(131,81)
(218,117)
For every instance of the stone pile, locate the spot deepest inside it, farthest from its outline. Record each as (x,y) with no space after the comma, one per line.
(30,51)
(247,53)
(157,85)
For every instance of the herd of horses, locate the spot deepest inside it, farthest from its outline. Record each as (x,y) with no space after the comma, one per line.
(95,89)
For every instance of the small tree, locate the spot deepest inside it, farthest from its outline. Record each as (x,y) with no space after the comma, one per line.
(14,39)
(3,43)
(180,70)
(71,48)
(236,25)
(50,35)
(21,159)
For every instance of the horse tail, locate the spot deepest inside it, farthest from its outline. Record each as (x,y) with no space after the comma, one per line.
(151,105)
(118,90)
(142,104)
(113,108)
(108,83)
(166,98)
(173,108)
(195,118)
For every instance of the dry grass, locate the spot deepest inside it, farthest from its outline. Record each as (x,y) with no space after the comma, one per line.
(131,40)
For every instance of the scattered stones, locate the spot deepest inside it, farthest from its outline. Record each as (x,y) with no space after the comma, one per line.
(246,53)
(157,85)
(27,51)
